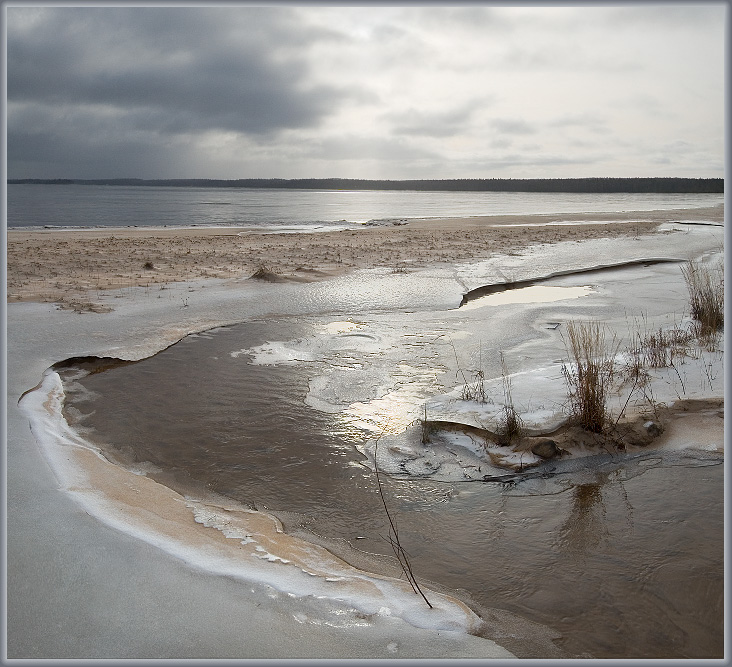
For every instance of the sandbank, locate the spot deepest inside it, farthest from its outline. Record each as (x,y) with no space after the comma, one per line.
(67,266)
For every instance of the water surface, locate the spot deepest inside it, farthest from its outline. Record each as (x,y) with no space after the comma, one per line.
(34,205)
(625,561)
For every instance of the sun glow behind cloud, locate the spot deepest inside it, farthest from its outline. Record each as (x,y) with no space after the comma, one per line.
(366,92)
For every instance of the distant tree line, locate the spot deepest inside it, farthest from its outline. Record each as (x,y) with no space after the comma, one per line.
(645,185)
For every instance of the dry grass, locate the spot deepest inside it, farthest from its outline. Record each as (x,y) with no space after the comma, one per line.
(474,389)
(393,537)
(511,425)
(706,296)
(266,274)
(426,427)
(589,375)
(659,349)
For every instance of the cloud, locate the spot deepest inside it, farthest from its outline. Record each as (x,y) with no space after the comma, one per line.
(355,147)
(372,92)
(669,16)
(512,126)
(442,123)
(172,70)
(595,123)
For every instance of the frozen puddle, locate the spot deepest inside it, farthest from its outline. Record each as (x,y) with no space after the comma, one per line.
(533,294)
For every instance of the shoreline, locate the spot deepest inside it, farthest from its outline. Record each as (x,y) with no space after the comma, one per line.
(459,224)
(217,534)
(69,265)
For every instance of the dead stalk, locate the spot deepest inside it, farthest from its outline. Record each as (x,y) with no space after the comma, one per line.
(393,537)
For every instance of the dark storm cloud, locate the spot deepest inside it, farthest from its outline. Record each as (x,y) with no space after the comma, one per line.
(54,154)
(163,70)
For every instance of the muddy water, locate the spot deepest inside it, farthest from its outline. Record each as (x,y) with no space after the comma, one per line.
(625,561)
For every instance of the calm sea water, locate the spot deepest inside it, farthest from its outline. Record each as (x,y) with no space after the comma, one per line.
(123,206)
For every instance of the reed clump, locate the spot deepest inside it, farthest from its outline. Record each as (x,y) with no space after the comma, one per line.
(706,296)
(589,375)
(510,425)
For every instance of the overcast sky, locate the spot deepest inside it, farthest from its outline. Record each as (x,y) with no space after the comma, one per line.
(298,91)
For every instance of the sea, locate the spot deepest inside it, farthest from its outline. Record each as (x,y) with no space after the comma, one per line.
(84,206)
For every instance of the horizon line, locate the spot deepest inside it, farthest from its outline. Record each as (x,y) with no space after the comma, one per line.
(359,179)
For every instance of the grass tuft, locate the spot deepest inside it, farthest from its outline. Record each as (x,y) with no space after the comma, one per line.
(658,349)
(510,426)
(706,296)
(266,274)
(589,375)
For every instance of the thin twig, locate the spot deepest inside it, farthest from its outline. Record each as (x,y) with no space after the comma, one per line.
(399,551)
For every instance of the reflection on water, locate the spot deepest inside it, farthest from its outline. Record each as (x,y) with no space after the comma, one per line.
(585,527)
(395,411)
(623,561)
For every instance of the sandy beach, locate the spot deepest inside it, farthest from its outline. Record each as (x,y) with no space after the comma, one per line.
(72,265)
(79,582)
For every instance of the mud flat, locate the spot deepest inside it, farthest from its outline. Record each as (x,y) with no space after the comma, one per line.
(104,562)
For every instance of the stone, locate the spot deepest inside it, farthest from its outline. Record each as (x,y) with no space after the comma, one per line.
(546,449)
(652,428)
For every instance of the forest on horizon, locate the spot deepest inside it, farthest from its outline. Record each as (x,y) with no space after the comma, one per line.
(588,185)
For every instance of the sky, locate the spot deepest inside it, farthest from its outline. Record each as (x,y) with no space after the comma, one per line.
(375,92)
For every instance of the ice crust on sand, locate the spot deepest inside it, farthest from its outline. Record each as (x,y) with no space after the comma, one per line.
(253,546)
(539,397)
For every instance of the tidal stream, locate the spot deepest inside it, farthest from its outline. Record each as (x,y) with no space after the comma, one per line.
(623,561)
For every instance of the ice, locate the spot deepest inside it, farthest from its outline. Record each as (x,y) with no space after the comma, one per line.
(339,327)
(382,369)
(311,573)
(275,353)
(538,395)
(533,294)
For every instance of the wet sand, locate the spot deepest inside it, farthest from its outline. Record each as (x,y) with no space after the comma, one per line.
(69,266)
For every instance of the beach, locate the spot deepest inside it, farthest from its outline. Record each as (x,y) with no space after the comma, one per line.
(67,265)
(94,571)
